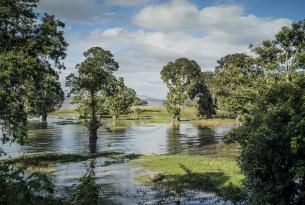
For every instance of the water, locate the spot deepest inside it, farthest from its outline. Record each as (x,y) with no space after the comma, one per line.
(68,136)
(118,181)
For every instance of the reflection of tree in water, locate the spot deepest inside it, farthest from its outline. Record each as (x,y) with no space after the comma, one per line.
(43,137)
(174,145)
(189,140)
(206,136)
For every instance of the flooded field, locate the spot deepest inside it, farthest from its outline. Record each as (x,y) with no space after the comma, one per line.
(119,181)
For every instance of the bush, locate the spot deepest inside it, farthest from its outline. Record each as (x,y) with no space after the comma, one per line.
(272,138)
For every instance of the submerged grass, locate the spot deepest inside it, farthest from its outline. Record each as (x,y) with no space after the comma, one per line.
(221,176)
(45,162)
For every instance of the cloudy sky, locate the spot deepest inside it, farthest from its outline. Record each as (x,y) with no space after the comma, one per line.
(144,35)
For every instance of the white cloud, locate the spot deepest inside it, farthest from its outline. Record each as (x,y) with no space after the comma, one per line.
(175,14)
(228,22)
(177,28)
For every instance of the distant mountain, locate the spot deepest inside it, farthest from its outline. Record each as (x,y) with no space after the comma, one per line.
(147,98)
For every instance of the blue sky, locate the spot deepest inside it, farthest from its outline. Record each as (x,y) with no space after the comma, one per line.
(145,35)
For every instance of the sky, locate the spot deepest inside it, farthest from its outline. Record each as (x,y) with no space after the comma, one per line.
(144,35)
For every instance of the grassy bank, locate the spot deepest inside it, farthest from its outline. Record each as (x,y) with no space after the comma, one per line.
(148,115)
(221,176)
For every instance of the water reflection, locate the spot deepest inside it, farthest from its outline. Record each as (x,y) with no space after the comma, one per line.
(69,136)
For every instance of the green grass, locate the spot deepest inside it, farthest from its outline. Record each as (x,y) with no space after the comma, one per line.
(44,162)
(148,115)
(65,112)
(221,176)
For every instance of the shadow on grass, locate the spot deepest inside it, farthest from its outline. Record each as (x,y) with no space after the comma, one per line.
(209,182)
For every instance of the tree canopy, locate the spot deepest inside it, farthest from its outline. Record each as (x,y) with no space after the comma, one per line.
(29,48)
(180,77)
(94,80)
(120,101)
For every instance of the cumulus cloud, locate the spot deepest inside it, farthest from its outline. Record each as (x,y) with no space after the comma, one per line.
(171,30)
(225,21)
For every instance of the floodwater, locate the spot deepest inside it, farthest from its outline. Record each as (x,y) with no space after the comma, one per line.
(118,181)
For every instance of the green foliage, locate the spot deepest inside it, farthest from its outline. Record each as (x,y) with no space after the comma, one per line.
(87,192)
(201,94)
(28,49)
(236,88)
(273,144)
(94,80)
(239,60)
(180,76)
(285,52)
(120,101)
(19,188)
(45,96)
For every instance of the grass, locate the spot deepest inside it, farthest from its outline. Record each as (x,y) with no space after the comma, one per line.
(221,176)
(45,162)
(65,112)
(147,115)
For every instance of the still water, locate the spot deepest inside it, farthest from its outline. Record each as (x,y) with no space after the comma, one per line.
(118,181)
(70,136)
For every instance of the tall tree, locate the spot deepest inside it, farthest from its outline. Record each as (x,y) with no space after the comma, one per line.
(94,79)
(179,76)
(23,60)
(120,102)
(29,48)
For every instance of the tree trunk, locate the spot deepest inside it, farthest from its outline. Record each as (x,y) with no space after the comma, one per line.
(175,120)
(93,125)
(114,117)
(44,117)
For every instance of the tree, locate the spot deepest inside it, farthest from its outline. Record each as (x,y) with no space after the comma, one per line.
(45,96)
(120,101)
(23,60)
(285,52)
(179,76)
(239,60)
(28,49)
(236,84)
(201,94)
(87,191)
(273,144)
(94,79)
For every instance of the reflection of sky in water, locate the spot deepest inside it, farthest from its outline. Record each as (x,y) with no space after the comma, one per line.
(128,137)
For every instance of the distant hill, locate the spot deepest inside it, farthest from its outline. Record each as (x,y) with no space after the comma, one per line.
(153,102)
